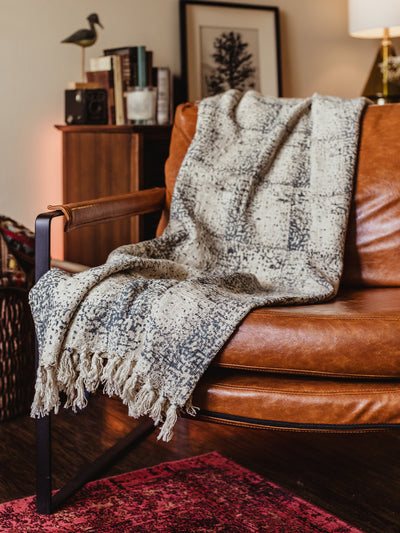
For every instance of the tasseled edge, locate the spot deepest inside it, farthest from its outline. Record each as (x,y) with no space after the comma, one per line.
(78,373)
(166,432)
(46,393)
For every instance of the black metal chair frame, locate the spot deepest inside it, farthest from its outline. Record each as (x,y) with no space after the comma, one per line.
(46,501)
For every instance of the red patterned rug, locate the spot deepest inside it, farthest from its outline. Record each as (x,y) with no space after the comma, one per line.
(203,494)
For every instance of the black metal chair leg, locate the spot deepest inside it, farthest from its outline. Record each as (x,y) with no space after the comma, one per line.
(43,425)
(43,465)
(46,503)
(92,470)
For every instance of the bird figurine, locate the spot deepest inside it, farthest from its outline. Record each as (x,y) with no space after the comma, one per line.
(85,37)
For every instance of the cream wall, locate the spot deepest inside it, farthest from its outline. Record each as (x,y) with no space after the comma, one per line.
(317,56)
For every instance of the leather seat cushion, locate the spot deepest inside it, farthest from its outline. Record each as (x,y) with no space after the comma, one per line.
(298,403)
(355,335)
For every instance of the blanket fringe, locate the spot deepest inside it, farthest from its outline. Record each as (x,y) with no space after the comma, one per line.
(77,374)
(156,413)
(46,394)
(166,432)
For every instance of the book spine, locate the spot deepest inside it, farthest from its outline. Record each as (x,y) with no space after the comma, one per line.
(118,91)
(129,62)
(162,78)
(141,66)
(126,70)
(100,63)
(133,53)
(149,68)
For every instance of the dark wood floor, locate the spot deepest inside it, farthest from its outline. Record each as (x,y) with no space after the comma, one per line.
(356,477)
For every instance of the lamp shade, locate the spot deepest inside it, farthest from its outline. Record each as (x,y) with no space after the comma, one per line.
(368,18)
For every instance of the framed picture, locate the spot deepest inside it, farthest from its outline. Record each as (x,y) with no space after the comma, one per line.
(227,46)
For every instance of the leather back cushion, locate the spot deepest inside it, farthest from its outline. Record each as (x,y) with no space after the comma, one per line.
(372,253)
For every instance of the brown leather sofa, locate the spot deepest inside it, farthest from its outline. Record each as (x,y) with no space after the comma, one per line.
(333,366)
(328,367)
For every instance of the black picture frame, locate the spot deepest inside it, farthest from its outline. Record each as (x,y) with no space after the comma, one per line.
(205,27)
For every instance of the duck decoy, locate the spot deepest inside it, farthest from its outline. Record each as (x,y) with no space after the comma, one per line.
(85,37)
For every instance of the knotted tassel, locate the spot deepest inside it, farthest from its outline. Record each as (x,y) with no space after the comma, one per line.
(157,411)
(107,377)
(144,399)
(129,390)
(46,393)
(121,375)
(80,400)
(167,432)
(190,409)
(93,377)
(66,372)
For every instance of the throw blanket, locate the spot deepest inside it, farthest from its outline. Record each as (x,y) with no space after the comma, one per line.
(258,217)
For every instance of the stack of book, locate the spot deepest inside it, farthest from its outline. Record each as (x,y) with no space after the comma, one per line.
(131,66)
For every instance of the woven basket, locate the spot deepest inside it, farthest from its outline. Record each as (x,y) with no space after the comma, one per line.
(17,366)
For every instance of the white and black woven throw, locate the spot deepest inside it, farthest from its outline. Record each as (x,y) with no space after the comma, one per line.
(258,217)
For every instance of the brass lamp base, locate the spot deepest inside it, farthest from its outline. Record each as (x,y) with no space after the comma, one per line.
(375,89)
(380,99)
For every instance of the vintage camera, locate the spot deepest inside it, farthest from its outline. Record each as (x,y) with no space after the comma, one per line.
(86,106)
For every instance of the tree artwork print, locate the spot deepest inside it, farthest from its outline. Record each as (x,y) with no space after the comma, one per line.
(234,68)
(230,60)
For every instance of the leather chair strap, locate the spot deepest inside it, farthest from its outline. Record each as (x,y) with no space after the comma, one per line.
(86,213)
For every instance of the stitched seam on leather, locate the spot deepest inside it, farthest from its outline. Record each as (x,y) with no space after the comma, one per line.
(104,218)
(301,393)
(285,370)
(282,428)
(184,133)
(330,317)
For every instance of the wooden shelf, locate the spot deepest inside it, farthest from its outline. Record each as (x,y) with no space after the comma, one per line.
(104,161)
(154,129)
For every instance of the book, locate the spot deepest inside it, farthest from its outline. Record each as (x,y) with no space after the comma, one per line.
(149,68)
(162,79)
(129,55)
(112,63)
(100,63)
(141,66)
(129,70)
(76,85)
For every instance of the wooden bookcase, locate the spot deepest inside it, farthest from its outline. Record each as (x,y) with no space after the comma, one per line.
(107,160)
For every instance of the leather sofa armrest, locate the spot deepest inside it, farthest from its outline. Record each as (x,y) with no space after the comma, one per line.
(86,213)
